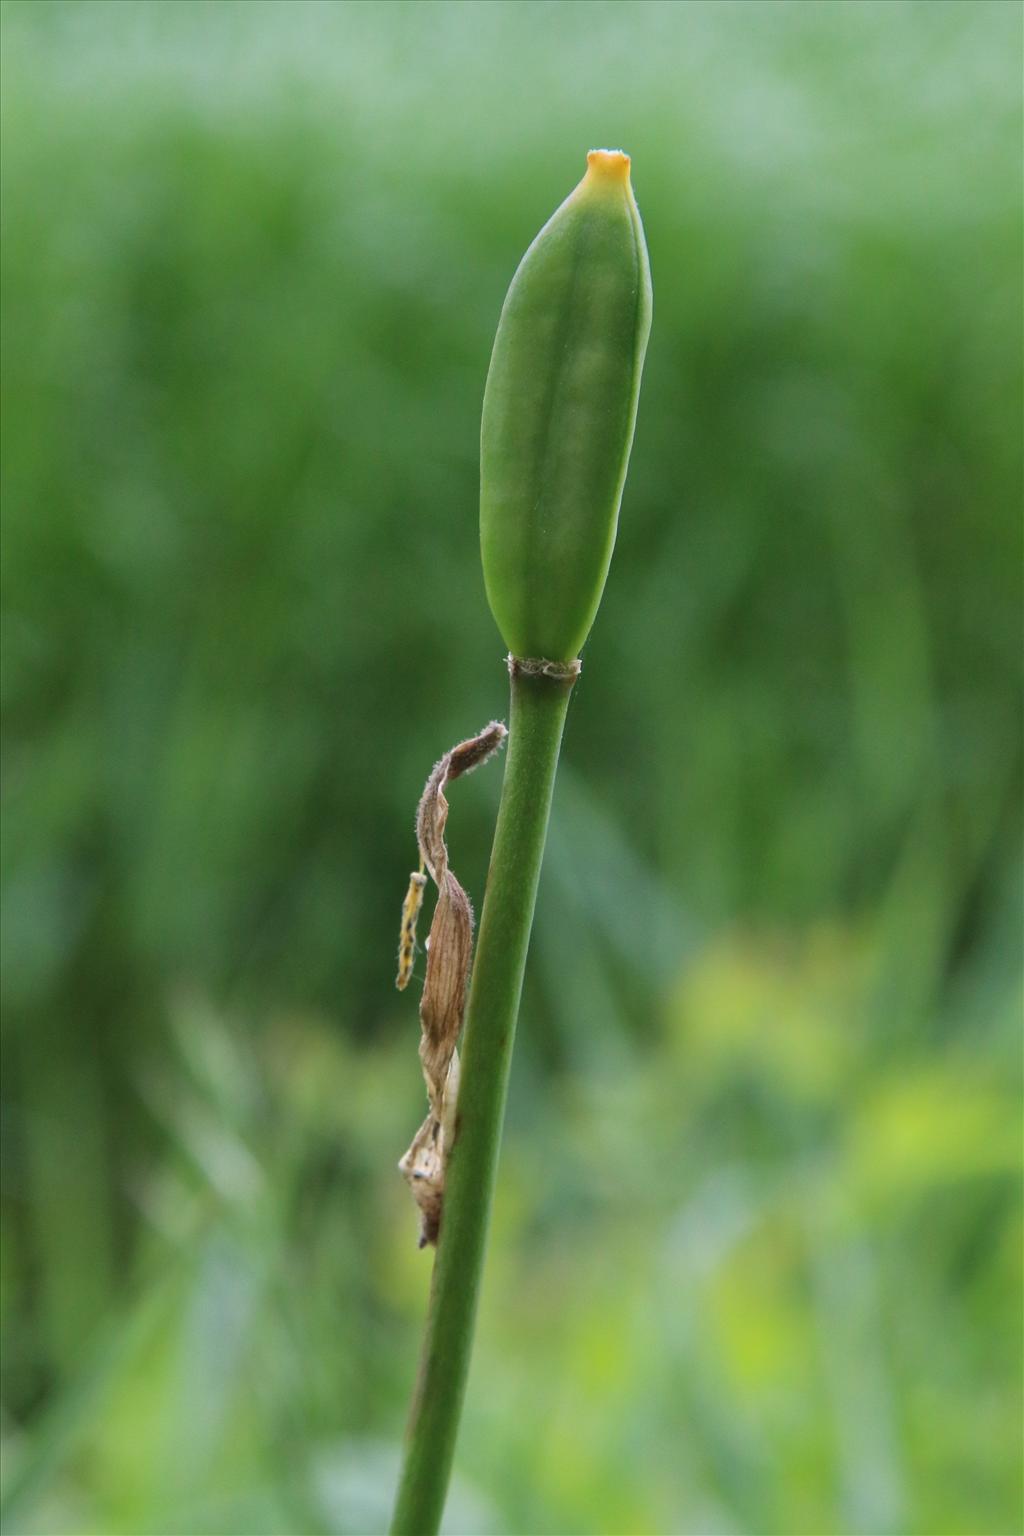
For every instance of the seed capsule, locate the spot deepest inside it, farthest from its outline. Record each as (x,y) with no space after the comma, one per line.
(559,411)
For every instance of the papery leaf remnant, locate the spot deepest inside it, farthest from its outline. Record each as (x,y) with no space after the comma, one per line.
(443,1004)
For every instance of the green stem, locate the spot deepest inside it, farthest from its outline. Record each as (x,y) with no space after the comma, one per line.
(539,706)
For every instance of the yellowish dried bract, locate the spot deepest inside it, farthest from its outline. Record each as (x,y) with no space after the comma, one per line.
(410,917)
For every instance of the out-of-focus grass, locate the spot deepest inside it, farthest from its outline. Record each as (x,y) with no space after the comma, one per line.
(756,1263)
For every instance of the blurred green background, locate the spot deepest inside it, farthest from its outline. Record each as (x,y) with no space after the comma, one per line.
(757,1247)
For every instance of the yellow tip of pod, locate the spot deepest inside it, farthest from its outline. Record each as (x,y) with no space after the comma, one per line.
(608,165)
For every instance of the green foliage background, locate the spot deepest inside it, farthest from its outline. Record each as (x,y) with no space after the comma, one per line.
(756,1260)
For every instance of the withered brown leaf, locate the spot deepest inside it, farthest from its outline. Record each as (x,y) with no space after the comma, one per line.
(443,1004)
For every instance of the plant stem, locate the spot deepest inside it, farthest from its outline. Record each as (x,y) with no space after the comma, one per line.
(537,719)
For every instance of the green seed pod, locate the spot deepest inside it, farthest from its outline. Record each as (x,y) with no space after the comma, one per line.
(559,411)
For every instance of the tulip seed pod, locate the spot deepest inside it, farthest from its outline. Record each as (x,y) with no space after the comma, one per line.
(559,411)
